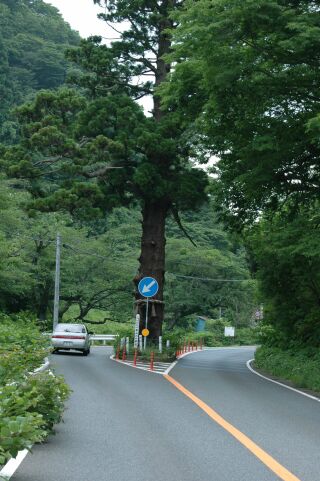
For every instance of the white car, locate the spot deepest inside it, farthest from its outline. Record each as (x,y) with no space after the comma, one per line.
(71,336)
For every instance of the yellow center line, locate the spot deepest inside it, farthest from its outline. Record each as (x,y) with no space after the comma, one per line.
(264,457)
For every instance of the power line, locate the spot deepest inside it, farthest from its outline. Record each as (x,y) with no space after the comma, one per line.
(207,278)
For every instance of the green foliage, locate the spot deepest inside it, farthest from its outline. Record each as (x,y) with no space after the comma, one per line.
(200,280)
(251,96)
(287,258)
(300,366)
(22,348)
(17,432)
(33,37)
(213,336)
(96,270)
(30,405)
(244,83)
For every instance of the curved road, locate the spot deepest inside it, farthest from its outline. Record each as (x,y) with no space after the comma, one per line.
(127,424)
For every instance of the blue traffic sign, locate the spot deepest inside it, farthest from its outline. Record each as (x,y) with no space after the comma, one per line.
(148,287)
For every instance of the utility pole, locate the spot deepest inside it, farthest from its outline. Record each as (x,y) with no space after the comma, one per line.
(57,284)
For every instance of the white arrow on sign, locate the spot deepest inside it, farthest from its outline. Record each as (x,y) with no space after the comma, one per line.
(147,288)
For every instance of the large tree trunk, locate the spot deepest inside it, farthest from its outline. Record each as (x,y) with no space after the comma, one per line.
(152,264)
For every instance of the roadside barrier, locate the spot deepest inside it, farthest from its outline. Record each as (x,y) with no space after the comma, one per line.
(135,357)
(151,361)
(124,353)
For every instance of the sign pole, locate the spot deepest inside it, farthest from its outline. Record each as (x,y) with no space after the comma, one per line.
(147,309)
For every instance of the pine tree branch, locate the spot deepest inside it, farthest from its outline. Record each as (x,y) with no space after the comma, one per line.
(176,217)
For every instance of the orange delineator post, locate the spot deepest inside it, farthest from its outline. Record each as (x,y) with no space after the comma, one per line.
(118,352)
(188,346)
(135,357)
(184,348)
(192,346)
(151,361)
(124,354)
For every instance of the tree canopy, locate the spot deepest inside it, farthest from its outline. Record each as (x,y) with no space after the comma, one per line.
(246,79)
(95,148)
(248,76)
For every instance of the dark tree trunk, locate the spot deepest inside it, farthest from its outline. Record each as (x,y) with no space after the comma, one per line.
(152,264)
(44,301)
(154,214)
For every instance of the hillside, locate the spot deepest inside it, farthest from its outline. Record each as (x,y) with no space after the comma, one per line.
(33,39)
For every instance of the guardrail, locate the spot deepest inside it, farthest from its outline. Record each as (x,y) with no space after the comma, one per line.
(94,337)
(103,337)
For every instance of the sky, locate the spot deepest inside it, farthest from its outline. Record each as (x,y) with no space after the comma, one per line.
(82,16)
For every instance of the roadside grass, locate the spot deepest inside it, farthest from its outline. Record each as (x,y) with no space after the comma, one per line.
(300,366)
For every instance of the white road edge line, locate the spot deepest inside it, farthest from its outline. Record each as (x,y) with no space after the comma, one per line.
(112,357)
(169,368)
(12,465)
(280,383)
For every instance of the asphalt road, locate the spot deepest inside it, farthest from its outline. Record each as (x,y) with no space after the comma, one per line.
(126,424)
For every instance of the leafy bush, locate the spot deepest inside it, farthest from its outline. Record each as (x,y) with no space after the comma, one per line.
(22,348)
(301,366)
(30,405)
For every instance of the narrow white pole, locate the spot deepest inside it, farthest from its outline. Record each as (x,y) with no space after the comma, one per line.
(57,284)
(160,344)
(136,331)
(127,345)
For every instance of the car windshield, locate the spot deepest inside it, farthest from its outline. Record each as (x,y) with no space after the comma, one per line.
(70,328)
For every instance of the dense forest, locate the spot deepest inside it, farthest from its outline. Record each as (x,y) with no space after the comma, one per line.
(247,78)
(100,243)
(33,39)
(86,160)
(234,86)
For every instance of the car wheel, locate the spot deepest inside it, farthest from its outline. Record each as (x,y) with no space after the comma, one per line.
(55,351)
(85,352)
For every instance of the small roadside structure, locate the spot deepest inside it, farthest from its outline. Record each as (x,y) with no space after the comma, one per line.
(201,323)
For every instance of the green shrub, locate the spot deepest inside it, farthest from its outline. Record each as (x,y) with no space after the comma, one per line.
(22,348)
(30,405)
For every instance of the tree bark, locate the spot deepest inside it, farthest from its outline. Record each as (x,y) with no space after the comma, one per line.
(152,264)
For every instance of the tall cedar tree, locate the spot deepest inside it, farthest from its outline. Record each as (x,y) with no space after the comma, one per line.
(99,150)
